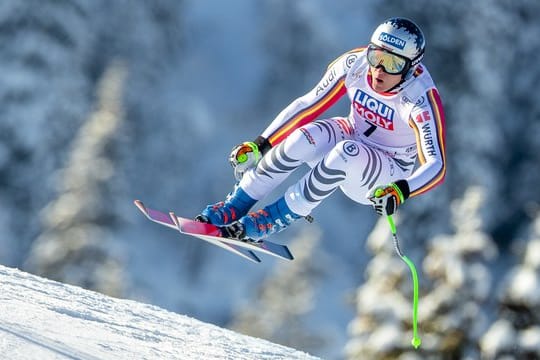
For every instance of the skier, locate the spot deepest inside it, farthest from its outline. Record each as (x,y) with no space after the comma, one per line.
(396,117)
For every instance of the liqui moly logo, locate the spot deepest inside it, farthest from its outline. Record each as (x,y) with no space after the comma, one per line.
(374,111)
(392,40)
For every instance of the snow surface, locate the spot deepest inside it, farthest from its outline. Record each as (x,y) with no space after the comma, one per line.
(43,319)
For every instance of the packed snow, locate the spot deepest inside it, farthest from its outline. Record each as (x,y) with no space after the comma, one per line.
(43,319)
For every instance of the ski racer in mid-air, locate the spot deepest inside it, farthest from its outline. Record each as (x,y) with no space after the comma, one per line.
(396,118)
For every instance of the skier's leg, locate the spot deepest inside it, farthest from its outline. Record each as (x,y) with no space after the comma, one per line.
(350,165)
(306,144)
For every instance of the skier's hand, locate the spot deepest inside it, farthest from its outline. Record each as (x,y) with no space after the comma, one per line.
(387,198)
(243,157)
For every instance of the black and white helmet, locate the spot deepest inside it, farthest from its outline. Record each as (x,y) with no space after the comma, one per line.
(402,37)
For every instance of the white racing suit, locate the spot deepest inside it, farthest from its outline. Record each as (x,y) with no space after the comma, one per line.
(378,143)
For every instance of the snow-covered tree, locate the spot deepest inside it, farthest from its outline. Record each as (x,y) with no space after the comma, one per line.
(516,332)
(77,245)
(44,95)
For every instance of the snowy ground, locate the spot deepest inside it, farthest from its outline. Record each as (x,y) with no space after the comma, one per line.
(42,319)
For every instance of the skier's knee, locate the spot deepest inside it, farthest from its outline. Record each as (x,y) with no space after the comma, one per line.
(300,143)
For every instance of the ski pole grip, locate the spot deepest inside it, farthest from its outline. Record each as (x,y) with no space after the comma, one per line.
(379,193)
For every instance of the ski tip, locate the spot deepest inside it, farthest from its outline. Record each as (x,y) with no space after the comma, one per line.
(290,257)
(140,205)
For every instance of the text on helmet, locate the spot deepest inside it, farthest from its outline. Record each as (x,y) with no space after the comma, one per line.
(392,40)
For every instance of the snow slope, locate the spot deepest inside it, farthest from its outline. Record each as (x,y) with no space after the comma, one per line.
(43,319)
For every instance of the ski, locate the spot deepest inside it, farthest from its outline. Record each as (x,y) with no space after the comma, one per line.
(166,220)
(212,232)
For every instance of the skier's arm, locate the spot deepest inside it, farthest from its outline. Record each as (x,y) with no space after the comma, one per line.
(427,120)
(307,108)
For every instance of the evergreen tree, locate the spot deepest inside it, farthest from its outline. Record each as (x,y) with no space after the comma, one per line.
(516,332)
(45,45)
(77,245)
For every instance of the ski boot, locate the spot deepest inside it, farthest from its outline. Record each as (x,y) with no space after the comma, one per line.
(236,205)
(258,225)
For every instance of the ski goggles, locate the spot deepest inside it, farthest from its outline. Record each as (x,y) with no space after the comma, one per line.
(391,63)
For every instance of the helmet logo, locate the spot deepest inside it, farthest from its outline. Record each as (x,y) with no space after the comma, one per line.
(392,40)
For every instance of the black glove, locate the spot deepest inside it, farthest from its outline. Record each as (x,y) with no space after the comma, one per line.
(387,198)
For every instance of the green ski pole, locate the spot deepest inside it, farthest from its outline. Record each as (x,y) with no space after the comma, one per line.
(416,341)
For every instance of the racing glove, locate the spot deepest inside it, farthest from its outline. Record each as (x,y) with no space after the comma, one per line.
(387,198)
(247,155)
(243,157)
